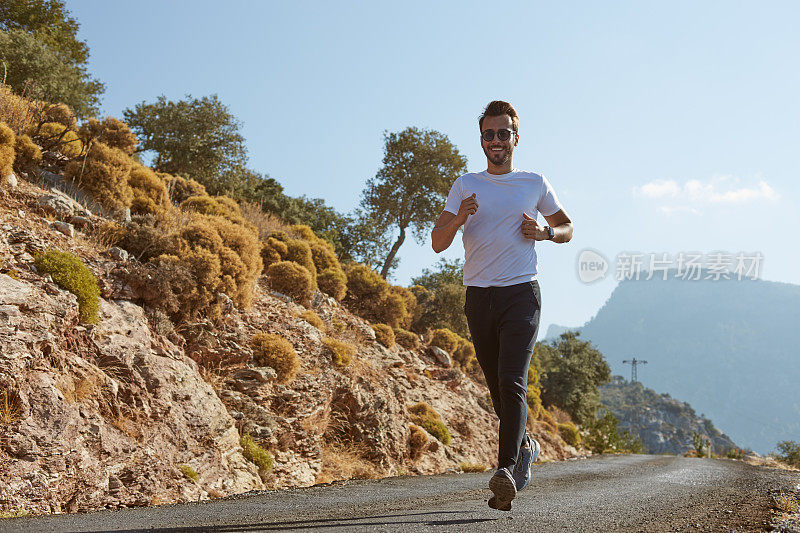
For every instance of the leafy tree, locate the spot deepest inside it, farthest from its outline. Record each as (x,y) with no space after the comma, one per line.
(443,300)
(572,371)
(49,22)
(196,138)
(604,436)
(418,168)
(789,453)
(36,70)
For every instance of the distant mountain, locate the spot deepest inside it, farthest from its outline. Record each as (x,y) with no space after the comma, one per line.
(729,348)
(664,424)
(554,331)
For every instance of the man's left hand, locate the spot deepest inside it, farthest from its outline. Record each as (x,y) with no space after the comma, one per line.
(531,229)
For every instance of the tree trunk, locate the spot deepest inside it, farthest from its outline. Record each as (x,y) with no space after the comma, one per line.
(393,252)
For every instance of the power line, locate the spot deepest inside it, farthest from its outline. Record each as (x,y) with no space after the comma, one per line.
(633,364)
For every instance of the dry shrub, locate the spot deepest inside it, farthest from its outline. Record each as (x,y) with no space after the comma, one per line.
(445,339)
(181,189)
(373,298)
(424,415)
(18,112)
(406,339)
(417,441)
(313,318)
(294,280)
(106,234)
(265,223)
(28,155)
(468,467)
(7,143)
(220,206)
(464,353)
(341,352)
(299,251)
(274,351)
(58,113)
(547,419)
(569,433)
(272,251)
(559,415)
(333,282)
(111,132)
(104,175)
(52,136)
(149,191)
(384,334)
(241,260)
(341,462)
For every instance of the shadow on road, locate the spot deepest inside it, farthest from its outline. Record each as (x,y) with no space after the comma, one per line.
(363,521)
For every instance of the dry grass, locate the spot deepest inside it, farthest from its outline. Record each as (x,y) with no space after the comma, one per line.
(265,223)
(786,502)
(345,462)
(19,112)
(559,415)
(10,407)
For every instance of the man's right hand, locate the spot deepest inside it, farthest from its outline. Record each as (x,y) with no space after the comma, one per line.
(468,207)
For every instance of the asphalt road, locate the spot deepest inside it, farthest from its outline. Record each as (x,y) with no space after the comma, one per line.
(613,493)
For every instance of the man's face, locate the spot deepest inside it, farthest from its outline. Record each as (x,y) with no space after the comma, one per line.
(498,152)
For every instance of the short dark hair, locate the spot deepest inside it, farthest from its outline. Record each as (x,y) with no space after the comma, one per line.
(499,108)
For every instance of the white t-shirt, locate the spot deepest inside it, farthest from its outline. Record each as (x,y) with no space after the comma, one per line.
(496,253)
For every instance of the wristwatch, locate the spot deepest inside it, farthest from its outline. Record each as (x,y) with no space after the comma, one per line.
(550,233)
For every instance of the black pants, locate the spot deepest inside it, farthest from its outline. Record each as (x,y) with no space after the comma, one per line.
(503,322)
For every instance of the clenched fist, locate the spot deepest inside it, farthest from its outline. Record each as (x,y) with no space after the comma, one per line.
(468,207)
(531,229)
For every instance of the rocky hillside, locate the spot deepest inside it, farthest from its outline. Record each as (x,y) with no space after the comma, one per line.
(132,412)
(664,424)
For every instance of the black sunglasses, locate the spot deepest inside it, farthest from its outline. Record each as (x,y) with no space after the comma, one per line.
(502,135)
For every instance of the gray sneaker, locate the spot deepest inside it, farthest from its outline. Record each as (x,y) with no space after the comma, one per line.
(504,489)
(528,453)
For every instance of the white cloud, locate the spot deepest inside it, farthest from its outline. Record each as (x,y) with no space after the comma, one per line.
(718,190)
(658,189)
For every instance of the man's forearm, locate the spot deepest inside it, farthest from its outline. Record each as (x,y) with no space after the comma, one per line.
(563,232)
(442,236)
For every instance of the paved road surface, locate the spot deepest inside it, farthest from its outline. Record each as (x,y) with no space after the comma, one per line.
(616,493)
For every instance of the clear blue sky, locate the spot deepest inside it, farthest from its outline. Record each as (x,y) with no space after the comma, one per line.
(663,127)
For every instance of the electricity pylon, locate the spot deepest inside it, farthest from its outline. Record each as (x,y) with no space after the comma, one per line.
(633,364)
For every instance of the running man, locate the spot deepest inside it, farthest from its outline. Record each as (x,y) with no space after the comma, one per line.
(498,209)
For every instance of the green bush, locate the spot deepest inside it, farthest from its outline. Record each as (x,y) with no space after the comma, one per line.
(190,473)
(104,175)
(406,339)
(341,352)
(287,277)
(604,436)
(789,453)
(384,334)
(28,155)
(274,351)
(424,415)
(570,434)
(7,143)
(256,454)
(445,339)
(69,272)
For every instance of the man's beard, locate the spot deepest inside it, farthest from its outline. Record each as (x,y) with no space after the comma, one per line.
(493,157)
